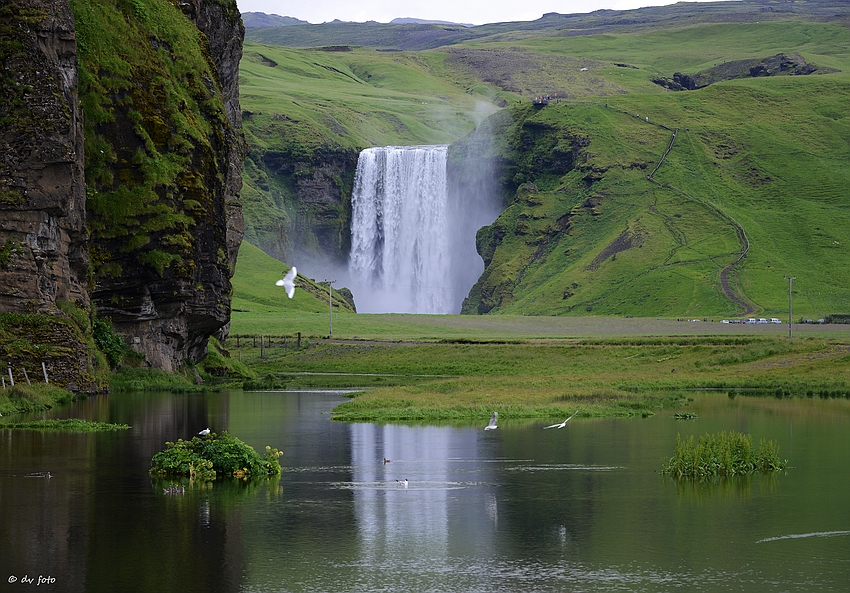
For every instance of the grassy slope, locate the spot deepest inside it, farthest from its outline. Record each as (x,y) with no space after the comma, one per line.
(769,155)
(353,99)
(787,192)
(255,289)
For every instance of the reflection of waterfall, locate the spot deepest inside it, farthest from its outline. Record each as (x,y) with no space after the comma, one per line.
(441,508)
(400,236)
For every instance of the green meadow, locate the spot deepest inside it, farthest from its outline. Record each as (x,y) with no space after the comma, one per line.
(752,190)
(457,367)
(593,269)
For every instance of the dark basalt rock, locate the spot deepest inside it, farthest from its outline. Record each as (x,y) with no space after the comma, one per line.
(166,286)
(777,65)
(43,248)
(149,225)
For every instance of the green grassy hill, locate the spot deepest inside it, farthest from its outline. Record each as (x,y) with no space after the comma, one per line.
(255,290)
(759,166)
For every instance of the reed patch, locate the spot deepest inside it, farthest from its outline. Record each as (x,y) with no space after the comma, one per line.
(722,454)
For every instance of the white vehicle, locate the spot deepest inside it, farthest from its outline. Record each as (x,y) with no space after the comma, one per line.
(762,320)
(750,320)
(774,320)
(725,321)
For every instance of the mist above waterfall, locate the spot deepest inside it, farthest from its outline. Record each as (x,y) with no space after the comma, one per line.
(412,237)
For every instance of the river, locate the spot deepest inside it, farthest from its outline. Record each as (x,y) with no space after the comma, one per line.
(520,508)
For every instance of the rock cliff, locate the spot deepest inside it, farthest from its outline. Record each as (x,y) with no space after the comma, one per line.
(314,211)
(164,151)
(43,248)
(147,226)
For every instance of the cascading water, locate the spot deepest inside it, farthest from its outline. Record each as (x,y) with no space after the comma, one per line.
(401,237)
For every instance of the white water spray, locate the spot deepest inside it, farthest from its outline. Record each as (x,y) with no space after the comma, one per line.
(400,233)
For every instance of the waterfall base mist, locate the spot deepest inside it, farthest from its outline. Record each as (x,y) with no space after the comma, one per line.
(412,240)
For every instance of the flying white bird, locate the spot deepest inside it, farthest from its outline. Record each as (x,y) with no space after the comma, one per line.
(562,424)
(288,281)
(492,425)
(204,432)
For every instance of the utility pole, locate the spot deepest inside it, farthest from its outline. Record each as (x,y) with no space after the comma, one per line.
(790,280)
(330,307)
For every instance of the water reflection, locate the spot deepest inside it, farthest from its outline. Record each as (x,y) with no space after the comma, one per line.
(518,509)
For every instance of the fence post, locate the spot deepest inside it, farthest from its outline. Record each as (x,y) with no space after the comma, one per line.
(262,347)
(299,341)
(27,377)
(44,370)
(11,379)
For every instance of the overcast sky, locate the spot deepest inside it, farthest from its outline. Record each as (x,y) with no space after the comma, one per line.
(475,12)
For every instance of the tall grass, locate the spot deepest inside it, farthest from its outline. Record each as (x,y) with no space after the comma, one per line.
(722,454)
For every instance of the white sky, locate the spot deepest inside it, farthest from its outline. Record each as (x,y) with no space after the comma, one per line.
(476,12)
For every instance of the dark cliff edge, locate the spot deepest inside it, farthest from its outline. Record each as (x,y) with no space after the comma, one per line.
(163,158)
(44,261)
(43,247)
(120,176)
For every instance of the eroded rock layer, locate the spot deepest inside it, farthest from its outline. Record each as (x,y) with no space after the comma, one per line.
(43,248)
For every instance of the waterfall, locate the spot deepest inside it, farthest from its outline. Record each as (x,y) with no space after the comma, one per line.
(401,236)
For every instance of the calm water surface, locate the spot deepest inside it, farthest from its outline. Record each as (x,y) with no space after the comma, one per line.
(516,509)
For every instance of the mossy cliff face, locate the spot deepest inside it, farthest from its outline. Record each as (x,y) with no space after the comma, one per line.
(43,250)
(300,203)
(164,149)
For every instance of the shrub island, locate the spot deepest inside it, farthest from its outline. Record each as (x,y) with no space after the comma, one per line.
(210,456)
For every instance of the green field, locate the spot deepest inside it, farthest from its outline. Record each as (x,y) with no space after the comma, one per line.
(593,270)
(459,367)
(753,189)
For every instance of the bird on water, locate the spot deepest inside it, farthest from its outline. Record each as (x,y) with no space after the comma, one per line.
(288,281)
(562,424)
(492,425)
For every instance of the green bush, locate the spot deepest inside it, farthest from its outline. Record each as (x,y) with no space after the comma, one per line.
(210,456)
(110,342)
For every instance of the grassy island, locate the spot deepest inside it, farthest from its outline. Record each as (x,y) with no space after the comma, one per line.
(722,454)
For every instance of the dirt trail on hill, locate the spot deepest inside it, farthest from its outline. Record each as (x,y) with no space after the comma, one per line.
(742,300)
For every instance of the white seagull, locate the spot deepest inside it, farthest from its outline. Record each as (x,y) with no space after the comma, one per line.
(492,425)
(204,432)
(562,424)
(288,281)
(404,481)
